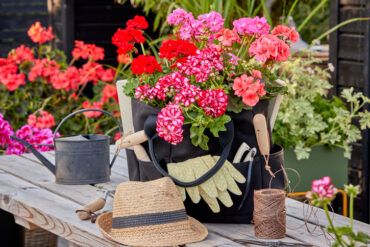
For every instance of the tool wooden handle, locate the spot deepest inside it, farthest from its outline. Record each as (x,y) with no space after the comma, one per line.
(94,206)
(262,135)
(131,140)
(140,153)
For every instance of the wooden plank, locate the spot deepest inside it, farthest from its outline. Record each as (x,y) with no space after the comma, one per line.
(40,176)
(349,12)
(22,222)
(295,209)
(47,210)
(352,2)
(351,74)
(22,20)
(352,47)
(333,43)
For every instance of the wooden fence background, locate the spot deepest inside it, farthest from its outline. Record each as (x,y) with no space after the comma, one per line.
(16,16)
(350,54)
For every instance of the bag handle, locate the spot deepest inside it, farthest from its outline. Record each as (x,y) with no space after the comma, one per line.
(226,139)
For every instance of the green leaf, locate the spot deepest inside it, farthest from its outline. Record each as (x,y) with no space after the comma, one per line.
(218,124)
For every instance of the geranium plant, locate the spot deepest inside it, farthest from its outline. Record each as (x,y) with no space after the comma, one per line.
(321,194)
(308,117)
(204,70)
(39,87)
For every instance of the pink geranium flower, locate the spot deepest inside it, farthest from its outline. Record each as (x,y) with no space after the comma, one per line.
(286,32)
(249,26)
(269,47)
(169,124)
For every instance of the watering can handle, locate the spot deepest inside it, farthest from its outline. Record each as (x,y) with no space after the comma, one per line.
(91,109)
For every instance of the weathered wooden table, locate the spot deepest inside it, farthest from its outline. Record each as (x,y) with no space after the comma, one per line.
(28,191)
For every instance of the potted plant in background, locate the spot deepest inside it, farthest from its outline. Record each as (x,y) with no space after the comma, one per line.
(317,131)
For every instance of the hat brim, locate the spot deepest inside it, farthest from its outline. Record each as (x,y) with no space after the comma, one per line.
(197,232)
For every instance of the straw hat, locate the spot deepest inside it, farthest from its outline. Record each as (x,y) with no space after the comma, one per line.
(150,214)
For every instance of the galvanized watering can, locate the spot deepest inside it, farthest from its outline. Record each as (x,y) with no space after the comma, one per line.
(79,159)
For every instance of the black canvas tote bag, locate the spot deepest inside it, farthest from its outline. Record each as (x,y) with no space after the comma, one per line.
(239,130)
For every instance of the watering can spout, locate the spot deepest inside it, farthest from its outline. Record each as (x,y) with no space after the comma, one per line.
(38,155)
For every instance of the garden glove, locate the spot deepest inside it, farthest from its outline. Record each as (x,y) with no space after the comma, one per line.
(214,188)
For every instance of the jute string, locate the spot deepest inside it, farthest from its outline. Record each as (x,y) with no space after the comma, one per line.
(269,214)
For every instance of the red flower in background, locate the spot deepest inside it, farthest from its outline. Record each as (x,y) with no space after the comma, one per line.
(117,136)
(45,120)
(69,79)
(85,51)
(45,68)
(145,64)
(40,34)
(21,54)
(109,91)
(138,22)
(106,75)
(97,105)
(90,71)
(176,48)
(8,75)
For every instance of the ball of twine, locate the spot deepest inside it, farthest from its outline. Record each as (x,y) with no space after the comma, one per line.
(269,214)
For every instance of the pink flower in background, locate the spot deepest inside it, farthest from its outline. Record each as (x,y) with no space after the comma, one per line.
(21,54)
(187,95)
(256,74)
(249,88)
(269,46)
(213,101)
(5,131)
(179,16)
(32,135)
(323,187)
(169,124)
(227,37)
(249,26)
(213,21)
(287,33)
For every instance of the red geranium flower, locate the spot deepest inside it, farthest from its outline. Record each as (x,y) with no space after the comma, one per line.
(109,91)
(44,68)
(45,120)
(145,64)
(176,48)
(96,105)
(85,51)
(138,22)
(8,75)
(40,34)
(20,54)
